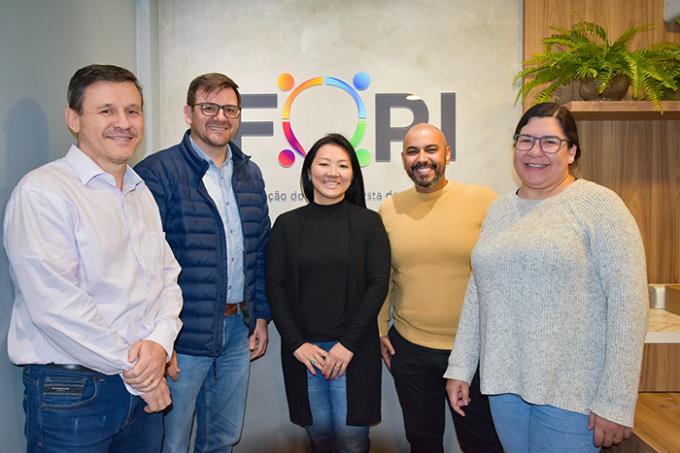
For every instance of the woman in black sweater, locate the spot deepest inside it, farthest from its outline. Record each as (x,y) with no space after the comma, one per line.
(328,267)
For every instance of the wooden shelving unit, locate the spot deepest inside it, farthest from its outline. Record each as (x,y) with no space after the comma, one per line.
(623,110)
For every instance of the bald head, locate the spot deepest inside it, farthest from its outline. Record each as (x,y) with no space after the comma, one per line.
(425,156)
(425,129)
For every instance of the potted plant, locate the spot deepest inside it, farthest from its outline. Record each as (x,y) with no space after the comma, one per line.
(603,69)
(662,85)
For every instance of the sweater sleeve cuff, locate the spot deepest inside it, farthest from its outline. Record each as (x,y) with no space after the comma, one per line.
(459,374)
(294,345)
(618,413)
(348,345)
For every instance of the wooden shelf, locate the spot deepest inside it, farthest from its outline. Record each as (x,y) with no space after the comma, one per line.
(623,110)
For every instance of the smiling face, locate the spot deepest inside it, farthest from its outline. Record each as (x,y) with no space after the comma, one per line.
(543,175)
(212,134)
(425,157)
(110,124)
(331,174)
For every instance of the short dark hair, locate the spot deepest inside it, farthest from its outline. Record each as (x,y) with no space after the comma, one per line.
(88,75)
(212,81)
(563,116)
(355,192)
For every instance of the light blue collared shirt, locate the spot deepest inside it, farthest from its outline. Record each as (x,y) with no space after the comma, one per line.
(217,182)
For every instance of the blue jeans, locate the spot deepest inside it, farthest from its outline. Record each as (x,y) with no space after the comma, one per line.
(215,390)
(329,430)
(85,411)
(532,428)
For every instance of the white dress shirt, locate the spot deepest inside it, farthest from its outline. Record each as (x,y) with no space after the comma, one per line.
(91,268)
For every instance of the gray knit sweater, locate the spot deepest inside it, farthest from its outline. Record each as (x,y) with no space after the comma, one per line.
(556,308)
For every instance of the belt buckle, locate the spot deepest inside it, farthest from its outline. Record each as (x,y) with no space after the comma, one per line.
(232,309)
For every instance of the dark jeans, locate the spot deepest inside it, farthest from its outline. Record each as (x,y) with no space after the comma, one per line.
(418,377)
(85,411)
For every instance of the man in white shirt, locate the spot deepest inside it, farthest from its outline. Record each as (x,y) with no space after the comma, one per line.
(97,303)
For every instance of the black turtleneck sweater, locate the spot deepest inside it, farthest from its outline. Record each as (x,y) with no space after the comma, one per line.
(323,264)
(328,270)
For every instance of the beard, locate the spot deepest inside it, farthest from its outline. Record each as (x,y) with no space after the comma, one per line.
(426,181)
(213,138)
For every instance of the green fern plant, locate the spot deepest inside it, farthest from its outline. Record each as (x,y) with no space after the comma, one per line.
(655,72)
(584,52)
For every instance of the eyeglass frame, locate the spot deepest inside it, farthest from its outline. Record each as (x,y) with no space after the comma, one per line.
(535,139)
(219,107)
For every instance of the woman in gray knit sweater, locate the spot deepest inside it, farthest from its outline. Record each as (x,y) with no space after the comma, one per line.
(556,309)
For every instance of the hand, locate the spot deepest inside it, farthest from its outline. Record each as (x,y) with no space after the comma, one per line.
(310,355)
(459,395)
(148,370)
(336,362)
(606,432)
(172,368)
(257,343)
(158,399)
(387,350)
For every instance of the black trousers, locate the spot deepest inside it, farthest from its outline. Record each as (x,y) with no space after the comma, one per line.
(418,377)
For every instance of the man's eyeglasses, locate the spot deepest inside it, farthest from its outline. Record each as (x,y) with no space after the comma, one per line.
(549,144)
(212,109)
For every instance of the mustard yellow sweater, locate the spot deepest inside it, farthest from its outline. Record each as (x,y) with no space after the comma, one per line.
(431,238)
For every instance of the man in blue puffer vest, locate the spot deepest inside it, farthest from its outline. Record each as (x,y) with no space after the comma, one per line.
(214,210)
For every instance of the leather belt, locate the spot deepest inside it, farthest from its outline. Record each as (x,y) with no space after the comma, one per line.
(232,309)
(78,368)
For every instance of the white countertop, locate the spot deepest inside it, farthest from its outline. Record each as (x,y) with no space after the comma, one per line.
(664,327)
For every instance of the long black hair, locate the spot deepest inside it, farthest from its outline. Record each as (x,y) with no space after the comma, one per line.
(355,193)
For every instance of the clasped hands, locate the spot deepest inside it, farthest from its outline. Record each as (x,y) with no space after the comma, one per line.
(147,375)
(332,363)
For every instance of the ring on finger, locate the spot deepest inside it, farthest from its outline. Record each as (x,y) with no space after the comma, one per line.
(313,362)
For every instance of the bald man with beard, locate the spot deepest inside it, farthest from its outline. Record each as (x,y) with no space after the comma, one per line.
(432,228)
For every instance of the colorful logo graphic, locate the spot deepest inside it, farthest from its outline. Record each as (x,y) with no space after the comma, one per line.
(286,81)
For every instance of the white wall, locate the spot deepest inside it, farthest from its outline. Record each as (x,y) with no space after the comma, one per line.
(42,43)
(424,47)
(471,47)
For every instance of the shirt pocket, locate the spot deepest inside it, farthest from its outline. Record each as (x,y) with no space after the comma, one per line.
(152,251)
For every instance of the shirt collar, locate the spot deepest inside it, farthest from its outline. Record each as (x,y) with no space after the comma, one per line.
(87,170)
(205,157)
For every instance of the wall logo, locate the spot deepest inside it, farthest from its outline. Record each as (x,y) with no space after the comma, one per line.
(286,81)
(385,104)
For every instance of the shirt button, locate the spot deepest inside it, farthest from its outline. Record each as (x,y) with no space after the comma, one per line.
(229,287)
